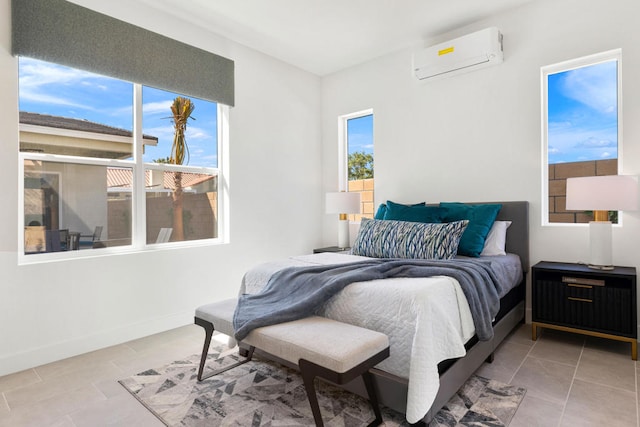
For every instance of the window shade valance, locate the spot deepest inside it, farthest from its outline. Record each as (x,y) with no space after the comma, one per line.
(62,32)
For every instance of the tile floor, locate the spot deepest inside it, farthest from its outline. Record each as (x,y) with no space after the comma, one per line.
(571,380)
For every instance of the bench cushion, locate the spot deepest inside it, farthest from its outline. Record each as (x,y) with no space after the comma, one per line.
(219,313)
(334,345)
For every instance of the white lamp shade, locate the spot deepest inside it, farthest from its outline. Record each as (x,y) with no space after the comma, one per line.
(342,203)
(603,193)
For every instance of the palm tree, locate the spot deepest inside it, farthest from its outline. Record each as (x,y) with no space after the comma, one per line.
(181,110)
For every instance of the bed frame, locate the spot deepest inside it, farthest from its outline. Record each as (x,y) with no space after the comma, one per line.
(392,390)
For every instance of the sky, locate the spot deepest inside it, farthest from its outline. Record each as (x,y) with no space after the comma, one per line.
(56,90)
(360,134)
(583,114)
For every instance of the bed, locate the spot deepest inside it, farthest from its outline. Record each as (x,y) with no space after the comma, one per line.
(428,365)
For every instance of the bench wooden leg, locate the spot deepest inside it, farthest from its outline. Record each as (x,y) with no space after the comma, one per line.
(373,398)
(208,333)
(310,371)
(308,376)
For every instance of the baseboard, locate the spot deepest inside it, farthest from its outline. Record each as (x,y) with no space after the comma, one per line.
(50,353)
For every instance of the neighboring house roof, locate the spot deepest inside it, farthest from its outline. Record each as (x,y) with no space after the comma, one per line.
(81,125)
(76,137)
(121,178)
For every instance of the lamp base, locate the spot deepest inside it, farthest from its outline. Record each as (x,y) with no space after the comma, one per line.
(601,247)
(343,233)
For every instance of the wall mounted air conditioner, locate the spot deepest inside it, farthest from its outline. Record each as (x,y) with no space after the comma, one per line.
(466,53)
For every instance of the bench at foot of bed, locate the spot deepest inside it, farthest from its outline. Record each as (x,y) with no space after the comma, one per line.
(321,347)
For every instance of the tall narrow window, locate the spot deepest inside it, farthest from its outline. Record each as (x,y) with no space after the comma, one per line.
(357,149)
(581,119)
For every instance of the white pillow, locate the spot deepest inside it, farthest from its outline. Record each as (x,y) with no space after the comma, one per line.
(496,239)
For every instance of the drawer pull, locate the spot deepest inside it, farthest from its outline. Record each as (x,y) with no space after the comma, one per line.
(583,281)
(577,285)
(579,299)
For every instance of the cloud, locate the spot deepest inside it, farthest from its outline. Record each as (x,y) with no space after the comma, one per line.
(35,76)
(580,144)
(593,142)
(34,73)
(556,126)
(43,98)
(594,86)
(158,107)
(197,133)
(162,132)
(52,86)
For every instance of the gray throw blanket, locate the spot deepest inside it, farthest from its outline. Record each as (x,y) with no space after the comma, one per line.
(298,292)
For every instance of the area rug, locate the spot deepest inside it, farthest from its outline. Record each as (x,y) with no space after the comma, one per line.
(262,393)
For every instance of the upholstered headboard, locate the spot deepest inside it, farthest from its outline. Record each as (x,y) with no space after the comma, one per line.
(518,232)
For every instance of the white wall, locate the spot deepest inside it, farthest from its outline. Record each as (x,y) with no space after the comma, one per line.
(58,309)
(477,136)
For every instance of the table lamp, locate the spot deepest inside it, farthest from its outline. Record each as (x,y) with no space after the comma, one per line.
(602,194)
(343,203)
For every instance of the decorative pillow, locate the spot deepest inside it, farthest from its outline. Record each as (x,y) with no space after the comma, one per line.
(481,218)
(403,239)
(382,209)
(413,213)
(496,239)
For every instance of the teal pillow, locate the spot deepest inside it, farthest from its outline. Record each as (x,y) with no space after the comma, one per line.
(413,213)
(481,218)
(382,209)
(404,239)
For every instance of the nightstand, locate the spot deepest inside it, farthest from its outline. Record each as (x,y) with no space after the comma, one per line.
(331,249)
(576,298)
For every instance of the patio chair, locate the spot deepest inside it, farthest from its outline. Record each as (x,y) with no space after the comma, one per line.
(53,241)
(164,235)
(94,237)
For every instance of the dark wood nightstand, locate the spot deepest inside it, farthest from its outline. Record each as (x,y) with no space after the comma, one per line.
(576,298)
(331,249)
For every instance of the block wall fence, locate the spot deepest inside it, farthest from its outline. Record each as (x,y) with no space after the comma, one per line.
(558,175)
(200,216)
(365,188)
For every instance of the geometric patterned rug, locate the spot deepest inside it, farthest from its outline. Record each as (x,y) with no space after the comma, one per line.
(262,393)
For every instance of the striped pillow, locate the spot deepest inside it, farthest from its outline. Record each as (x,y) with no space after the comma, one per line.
(403,239)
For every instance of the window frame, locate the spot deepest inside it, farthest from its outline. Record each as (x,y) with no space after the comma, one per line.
(138,166)
(343,165)
(343,146)
(568,65)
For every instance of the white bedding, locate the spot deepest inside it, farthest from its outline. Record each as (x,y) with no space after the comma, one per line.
(427,320)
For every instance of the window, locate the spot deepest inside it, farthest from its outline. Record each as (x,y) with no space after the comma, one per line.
(92,179)
(581,128)
(356,169)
